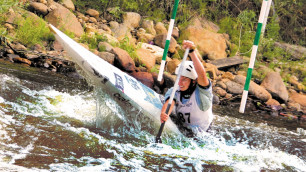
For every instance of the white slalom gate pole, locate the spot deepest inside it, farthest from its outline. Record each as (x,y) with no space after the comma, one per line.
(170,29)
(266,17)
(253,55)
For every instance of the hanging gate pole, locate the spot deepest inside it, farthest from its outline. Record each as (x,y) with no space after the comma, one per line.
(170,29)
(263,11)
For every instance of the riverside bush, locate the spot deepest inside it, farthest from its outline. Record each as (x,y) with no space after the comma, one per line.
(31,32)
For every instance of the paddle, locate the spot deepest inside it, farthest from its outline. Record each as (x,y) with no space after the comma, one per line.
(158,139)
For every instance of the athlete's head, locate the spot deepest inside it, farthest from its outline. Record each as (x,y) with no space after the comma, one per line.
(188,75)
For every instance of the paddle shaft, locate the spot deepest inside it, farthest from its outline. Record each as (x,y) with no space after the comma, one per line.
(158,139)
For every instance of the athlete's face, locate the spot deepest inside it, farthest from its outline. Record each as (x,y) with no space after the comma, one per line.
(184,83)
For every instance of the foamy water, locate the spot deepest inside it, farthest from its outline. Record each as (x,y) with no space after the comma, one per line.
(45,129)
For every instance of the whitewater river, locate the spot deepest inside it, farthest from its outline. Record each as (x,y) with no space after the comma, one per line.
(48,123)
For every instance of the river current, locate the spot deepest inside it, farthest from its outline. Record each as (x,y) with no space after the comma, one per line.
(54,123)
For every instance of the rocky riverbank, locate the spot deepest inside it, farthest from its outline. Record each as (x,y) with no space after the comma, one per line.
(271,94)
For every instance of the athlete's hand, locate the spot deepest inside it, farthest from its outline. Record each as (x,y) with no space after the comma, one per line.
(163,117)
(188,44)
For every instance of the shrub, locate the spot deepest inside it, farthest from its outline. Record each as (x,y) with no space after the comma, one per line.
(31,32)
(92,40)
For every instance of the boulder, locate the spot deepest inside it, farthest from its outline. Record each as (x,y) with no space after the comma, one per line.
(104,46)
(146,58)
(272,102)
(145,78)
(39,8)
(160,28)
(68,4)
(210,44)
(175,33)
(148,25)
(143,36)
(155,50)
(297,52)
(61,17)
(92,13)
(123,60)
(221,92)
(255,89)
(234,87)
(160,40)
(123,31)
(298,98)
(274,84)
(293,80)
(109,57)
(171,65)
(131,19)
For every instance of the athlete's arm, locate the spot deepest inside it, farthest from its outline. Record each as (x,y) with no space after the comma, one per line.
(202,78)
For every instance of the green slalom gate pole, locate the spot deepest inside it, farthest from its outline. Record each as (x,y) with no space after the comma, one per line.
(170,29)
(253,55)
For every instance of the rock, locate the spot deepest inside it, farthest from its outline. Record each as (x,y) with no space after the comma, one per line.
(110,38)
(272,102)
(9,27)
(297,52)
(155,50)
(131,19)
(109,57)
(210,44)
(295,82)
(68,4)
(160,40)
(113,25)
(39,8)
(146,58)
(171,65)
(228,75)
(298,98)
(143,36)
(221,92)
(234,87)
(105,28)
(57,46)
(92,20)
(175,33)
(22,60)
(275,85)
(160,28)
(260,92)
(216,99)
(221,84)
(123,60)
(145,78)
(61,17)
(122,32)
(19,47)
(93,13)
(148,25)
(104,46)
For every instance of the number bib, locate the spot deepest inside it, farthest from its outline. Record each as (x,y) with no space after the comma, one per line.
(191,115)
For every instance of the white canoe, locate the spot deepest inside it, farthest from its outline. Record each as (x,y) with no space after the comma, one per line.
(123,88)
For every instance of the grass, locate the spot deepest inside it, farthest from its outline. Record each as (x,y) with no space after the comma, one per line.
(32,32)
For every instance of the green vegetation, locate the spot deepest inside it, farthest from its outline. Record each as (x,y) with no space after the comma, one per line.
(92,40)
(31,32)
(130,48)
(6,4)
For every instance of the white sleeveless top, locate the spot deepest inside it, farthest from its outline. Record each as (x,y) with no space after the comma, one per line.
(191,115)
